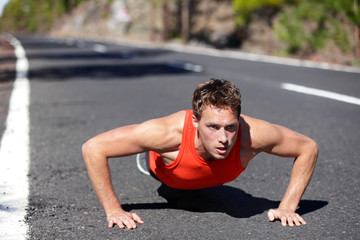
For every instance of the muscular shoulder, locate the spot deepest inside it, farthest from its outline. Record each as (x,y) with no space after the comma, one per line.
(258,135)
(262,136)
(162,134)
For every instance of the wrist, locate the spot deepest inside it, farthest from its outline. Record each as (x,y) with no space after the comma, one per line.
(112,206)
(112,211)
(286,206)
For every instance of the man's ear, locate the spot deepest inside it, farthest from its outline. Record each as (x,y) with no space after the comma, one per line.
(195,122)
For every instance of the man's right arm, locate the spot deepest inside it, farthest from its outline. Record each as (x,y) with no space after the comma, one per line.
(96,152)
(156,134)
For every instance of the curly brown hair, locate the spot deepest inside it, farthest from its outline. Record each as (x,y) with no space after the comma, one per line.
(218,93)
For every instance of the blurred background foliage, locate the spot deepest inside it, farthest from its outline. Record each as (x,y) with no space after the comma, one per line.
(304,26)
(34,15)
(311,24)
(304,23)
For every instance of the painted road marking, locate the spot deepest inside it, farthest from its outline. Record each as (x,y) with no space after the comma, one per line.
(14,154)
(99,48)
(320,93)
(186,66)
(138,164)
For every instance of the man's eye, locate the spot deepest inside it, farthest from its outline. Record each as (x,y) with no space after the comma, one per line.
(213,127)
(231,128)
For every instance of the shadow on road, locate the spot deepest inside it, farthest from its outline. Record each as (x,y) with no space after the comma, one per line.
(226,199)
(61,62)
(103,72)
(66,53)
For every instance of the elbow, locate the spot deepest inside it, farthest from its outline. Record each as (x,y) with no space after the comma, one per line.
(313,150)
(85,149)
(89,150)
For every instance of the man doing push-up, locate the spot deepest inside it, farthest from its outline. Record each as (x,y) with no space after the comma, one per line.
(200,148)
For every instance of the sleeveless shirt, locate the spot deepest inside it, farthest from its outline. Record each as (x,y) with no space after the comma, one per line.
(189,170)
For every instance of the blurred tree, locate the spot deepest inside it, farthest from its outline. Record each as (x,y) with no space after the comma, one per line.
(33,15)
(166,20)
(169,29)
(244,10)
(354,16)
(302,24)
(350,9)
(163,5)
(13,15)
(357,29)
(308,25)
(185,20)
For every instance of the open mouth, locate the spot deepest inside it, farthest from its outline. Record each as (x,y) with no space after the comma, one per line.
(222,150)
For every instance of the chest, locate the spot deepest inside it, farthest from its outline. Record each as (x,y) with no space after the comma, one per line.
(169,157)
(245,157)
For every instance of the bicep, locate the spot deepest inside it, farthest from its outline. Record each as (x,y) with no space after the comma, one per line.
(128,140)
(290,144)
(118,142)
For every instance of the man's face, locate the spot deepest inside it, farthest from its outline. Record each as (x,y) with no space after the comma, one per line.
(216,132)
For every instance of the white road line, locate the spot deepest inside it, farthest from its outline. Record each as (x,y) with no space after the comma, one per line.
(99,48)
(320,93)
(186,66)
(139,165)
(14,154)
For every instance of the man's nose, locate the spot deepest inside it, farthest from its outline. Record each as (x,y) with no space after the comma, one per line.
(222,137)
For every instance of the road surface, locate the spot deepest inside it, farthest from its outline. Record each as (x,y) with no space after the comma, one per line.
(81,88)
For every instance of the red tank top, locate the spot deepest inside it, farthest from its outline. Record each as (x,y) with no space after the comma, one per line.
(189,170)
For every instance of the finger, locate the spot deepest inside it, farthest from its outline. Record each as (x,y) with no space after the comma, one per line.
(301,220)
(130,224)
(271,215)
(283,221)
(111,224)
(296,221)
(137,218)
(290,221)
(120,224)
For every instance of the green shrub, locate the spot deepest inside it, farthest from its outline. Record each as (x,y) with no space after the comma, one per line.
(34,15)
(244,8)
(310,24)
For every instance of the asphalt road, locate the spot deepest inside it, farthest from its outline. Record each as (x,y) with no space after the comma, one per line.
(82,88)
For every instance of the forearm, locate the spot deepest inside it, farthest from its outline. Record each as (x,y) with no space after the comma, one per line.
(99,173)
(301,173)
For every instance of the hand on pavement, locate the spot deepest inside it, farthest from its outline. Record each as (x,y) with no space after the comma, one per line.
(286,217)
(123,219)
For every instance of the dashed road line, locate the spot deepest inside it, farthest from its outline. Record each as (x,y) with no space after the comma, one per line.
(185,66)
(320,93)
(100,48)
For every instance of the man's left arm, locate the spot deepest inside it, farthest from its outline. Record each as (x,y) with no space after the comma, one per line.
(284,142)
